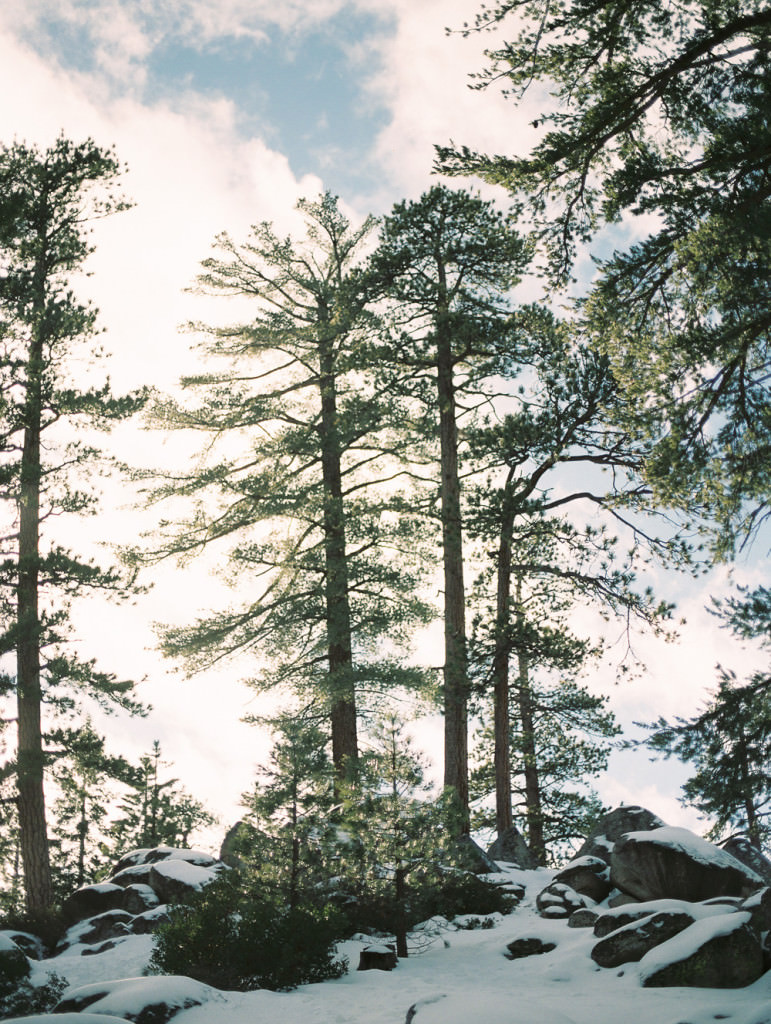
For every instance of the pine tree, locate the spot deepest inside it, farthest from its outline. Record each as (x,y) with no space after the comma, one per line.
(328,569)
(85,776)
(46,201)
(728,745)
(445,263)
(660,114)
(156,811)
(289,813)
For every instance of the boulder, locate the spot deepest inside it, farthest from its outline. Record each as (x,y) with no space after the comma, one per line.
(150,921)
(143,1000)
(511,848)
(632,941)
(750,856)
(31,945)
(90,900)
(174,881)
(717,952)
(612,826)
(759,907)
(138,898)
(588,876)
(528,947)
(676,863)
(377,958)
(558,900)
(471,857)
(583,918)
(160,853)
(110,925)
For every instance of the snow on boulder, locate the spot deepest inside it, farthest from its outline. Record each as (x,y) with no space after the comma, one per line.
(67,1018)
(111,924)
(158,853)
(612,826)
(676,863)
(90,900)
(716,952)
(143,1000)
(632,941)
(588,876)
(496,1008)
(618,917)
(558,900)
(174,880)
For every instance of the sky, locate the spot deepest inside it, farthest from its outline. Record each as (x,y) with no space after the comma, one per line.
(226,112)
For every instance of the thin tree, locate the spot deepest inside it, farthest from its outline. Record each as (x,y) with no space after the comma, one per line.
(445,263)
(46,201)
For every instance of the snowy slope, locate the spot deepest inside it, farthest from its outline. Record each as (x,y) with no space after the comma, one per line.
(461,977)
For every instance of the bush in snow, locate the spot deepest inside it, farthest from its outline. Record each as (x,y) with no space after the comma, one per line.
(234,935)
(23,999)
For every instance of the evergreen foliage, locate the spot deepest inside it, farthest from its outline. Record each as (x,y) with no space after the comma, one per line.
(660,111)
(444,264)
(155,811)
(331,567)
(236,936)
(47,419)
(728,744)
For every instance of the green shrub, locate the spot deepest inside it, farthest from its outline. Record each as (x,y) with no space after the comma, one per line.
(233,936)
(48,925)
(25,999)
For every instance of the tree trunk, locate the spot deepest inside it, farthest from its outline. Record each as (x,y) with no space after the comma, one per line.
(456,684)
(501,695)
(533,800)
(345,750)
(32,814)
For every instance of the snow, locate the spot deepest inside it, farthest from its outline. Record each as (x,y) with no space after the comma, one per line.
(689,941)
(458,976)
(186,872)
(696,910)
(696,848)
(129,996)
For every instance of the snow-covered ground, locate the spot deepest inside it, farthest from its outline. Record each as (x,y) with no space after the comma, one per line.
(460,977)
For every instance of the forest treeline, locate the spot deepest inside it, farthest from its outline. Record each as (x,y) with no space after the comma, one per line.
(389,422)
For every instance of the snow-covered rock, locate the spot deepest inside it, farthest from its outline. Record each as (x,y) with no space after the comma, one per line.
(588,876)
(143,1000)
(676,863)
(612,826)
(717,952)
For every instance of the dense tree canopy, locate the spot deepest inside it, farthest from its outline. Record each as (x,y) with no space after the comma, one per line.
(659,119)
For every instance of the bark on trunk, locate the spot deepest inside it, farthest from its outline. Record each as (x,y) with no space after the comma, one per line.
(32,815)
(345,750)
(534,814)
(501,690)
(455,650)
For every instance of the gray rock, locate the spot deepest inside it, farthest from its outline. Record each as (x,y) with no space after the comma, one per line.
(31,945)
(588,876)
(111,925)
(558,900)
(175,881)
(719,952)
(150,921)
(511,848)
(584,918)
(675,863)
(134,874)
(632,941)
(91,900)
(750,856)
(612,826)
(138,898)
(759,907)
(471,857)
(143,1000)
(520,948)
